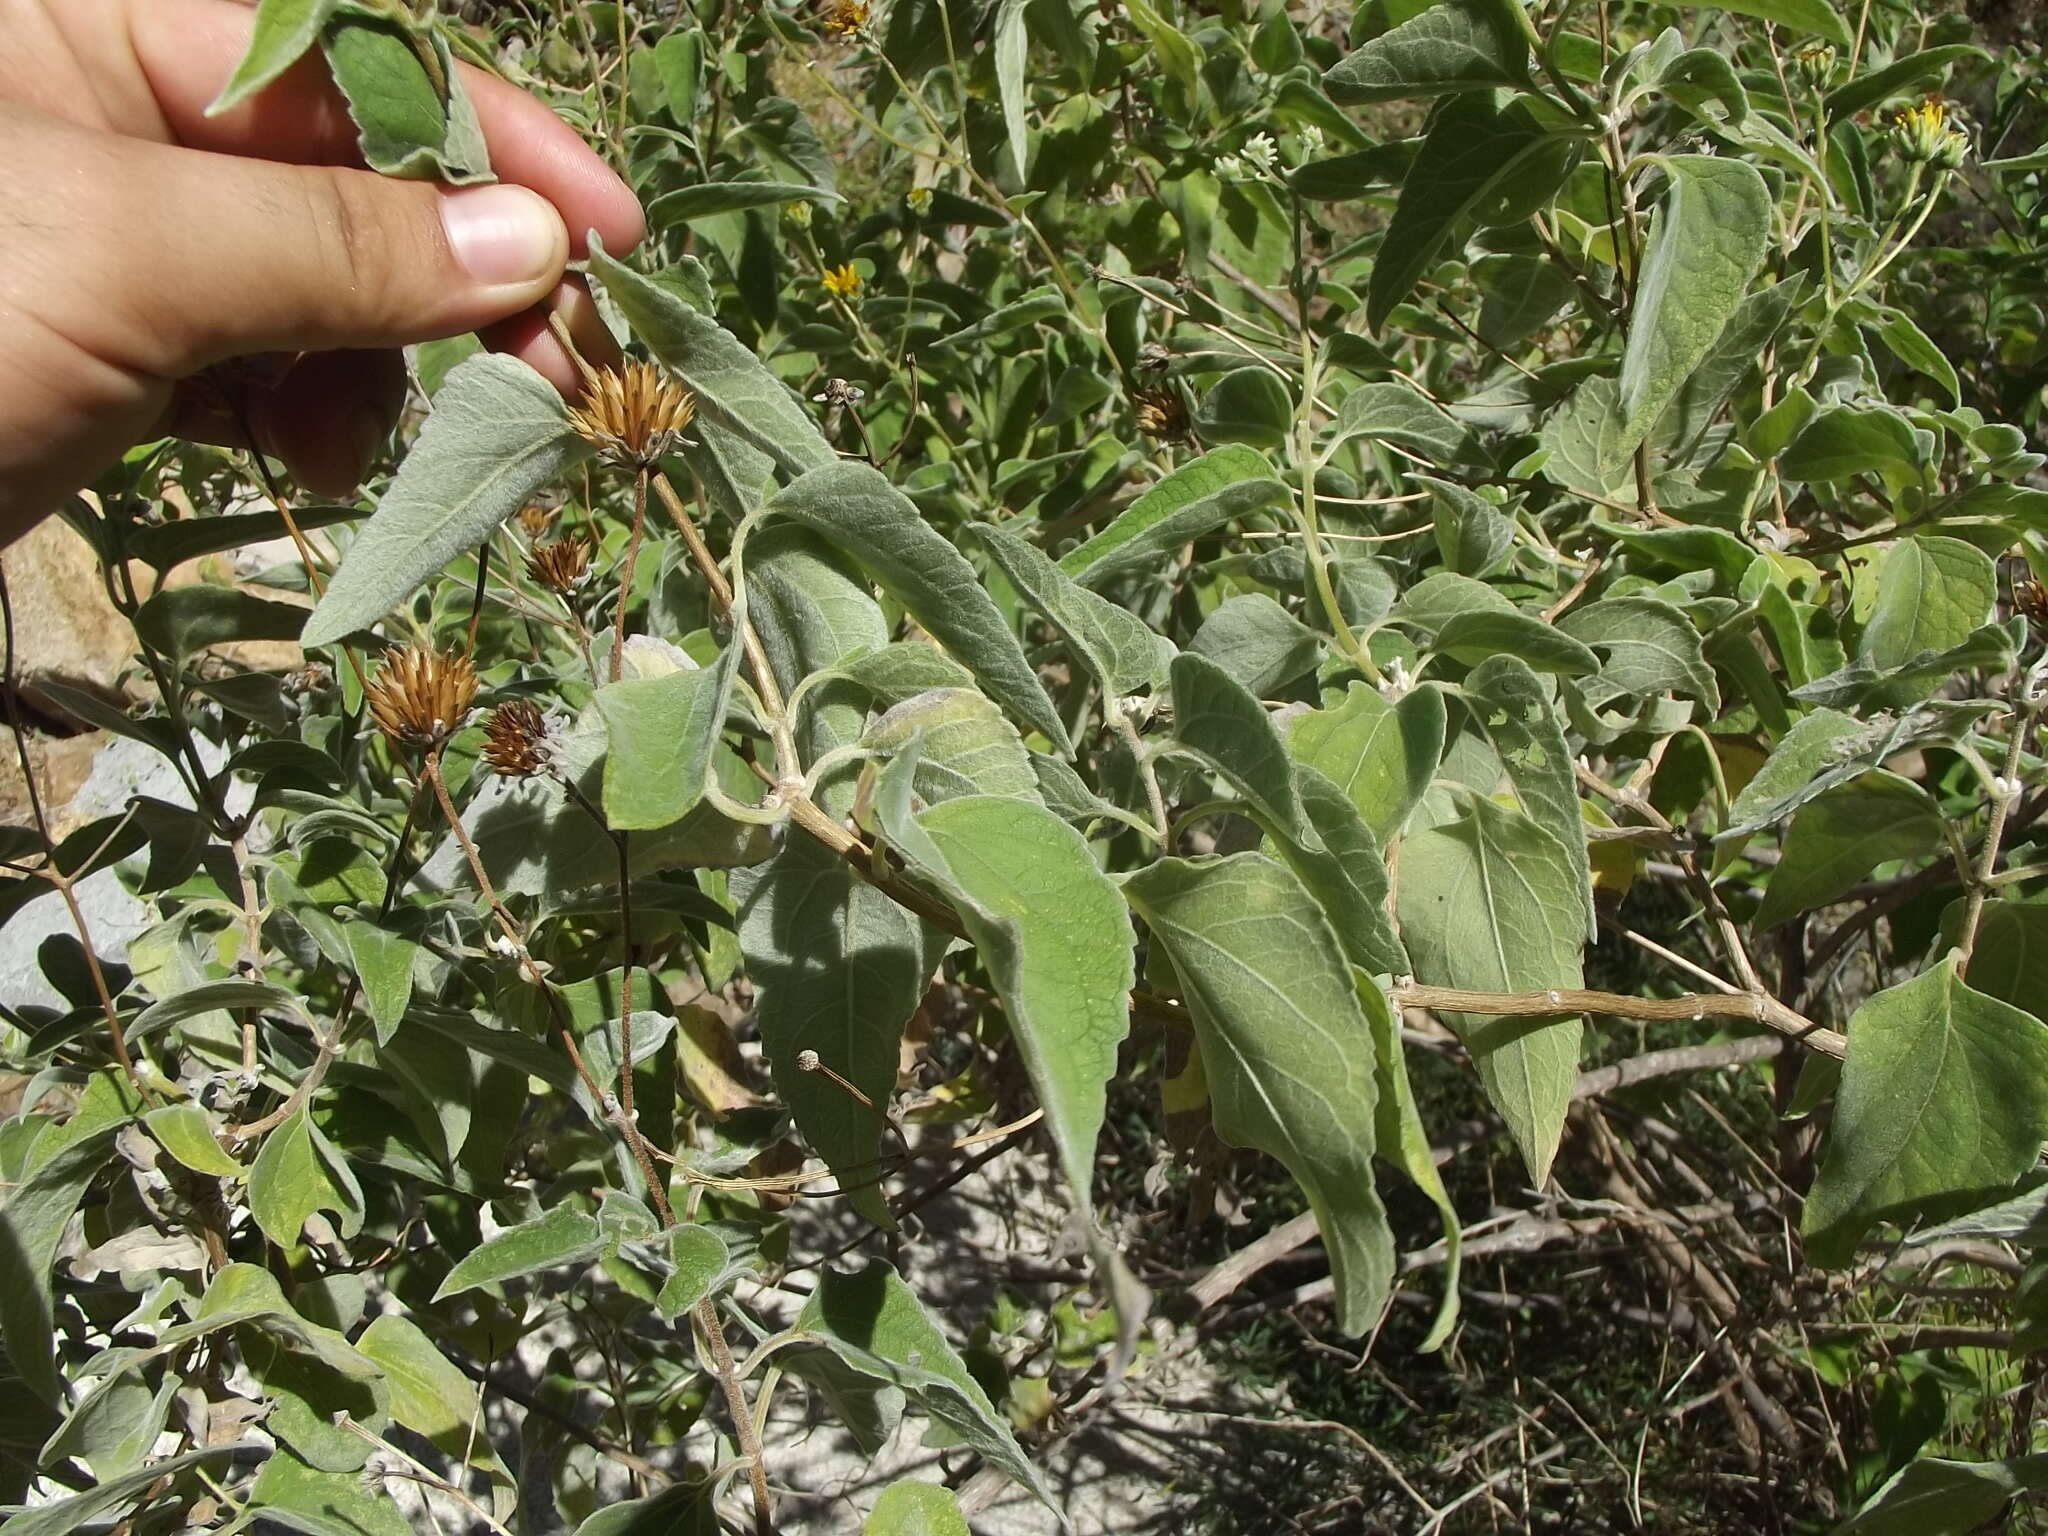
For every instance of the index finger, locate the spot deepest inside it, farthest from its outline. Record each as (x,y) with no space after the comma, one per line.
(188,48)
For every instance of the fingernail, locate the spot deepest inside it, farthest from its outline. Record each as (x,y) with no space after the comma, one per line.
(504,235)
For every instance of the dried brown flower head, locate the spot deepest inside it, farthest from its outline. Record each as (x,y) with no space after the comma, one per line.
(561,565)
(516,739)
(535,519)
(844,18)
(634,415)
(2031,598)
(1161,413)
(420,697)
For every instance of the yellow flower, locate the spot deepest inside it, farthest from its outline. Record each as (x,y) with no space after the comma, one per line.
(1922,134)
(844,18)
(842,282)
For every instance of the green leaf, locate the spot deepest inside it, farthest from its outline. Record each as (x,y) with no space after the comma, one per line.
(874,1322)
(1258,642)
(1217,719)
(1916,349)
(1012,47)
(1053,933)
(1178,57)
(1400,1138)
(299,1497)
(1472,534)
(186,1132)
(916,1509)
(1707,240)
(1124,655)
(562,1235)
(734,391)
(2010,958)
(295,1174)
(61,1516)
(880,529)
(1473,152)
(1474,636)
(838,968)
(708,198)
(1046,303)
(1286,1047)
(1247,405)
(1464,45)
(1814,16)
(1840,837)
(1819,739)
(1492,903)
(383,964)
(813,610)
(679,63)
(1346,873)
(412,116)
(432,1398)
(662,732)
(497,433)
(1930,1496)
(1944,1094)
(701,1260)
(183,620)
(1399,414)
(209,996)
(281,33)
(1933,593)
(1381,755)
(32,1224)
(969,746)
(1912,75)
(1518,713)
(1218,488)
(1647,647)
(1843,442)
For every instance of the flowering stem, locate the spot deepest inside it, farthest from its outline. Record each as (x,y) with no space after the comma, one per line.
(626,572)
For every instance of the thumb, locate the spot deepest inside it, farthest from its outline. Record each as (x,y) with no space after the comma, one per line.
(238,256)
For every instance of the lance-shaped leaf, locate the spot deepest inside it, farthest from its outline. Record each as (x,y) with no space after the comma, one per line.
(1216,718)
(1647,646)
(1346,872)
(1123,653)
(1286,1047)
(1944,1094)
(1052,931)
(874,1322)
(881,530)
(1933,1496)
(1401,1139)
(32,1224)
(1707,240)
(1519,715)
(1012,46)
(1198,498)
(1492,903)
(1932,594)
(969,746)
(838,968)
(1473,154)
(498,432)
(734,390)
(60,1517)
(1463,45)
(564,1235)
(297,1172)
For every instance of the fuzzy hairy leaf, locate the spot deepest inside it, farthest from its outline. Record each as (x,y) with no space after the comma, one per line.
(1286,1047)
(497,433)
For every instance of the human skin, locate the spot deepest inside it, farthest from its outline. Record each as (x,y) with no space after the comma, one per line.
(143,243)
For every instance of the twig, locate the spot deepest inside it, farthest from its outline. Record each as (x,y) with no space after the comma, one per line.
(1757,1007)
(706,1313)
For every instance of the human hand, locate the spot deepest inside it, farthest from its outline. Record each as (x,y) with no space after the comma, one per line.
(142,242)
